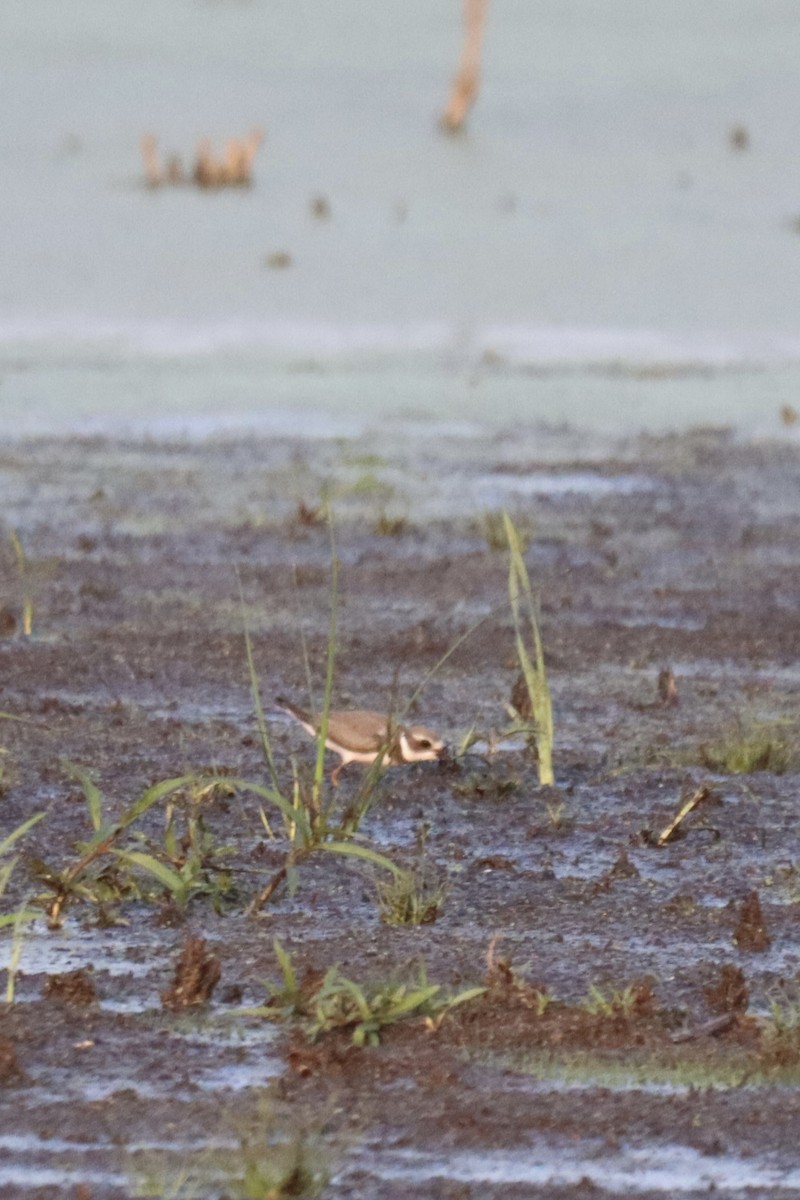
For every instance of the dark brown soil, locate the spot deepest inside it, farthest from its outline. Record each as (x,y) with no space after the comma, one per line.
(668,574)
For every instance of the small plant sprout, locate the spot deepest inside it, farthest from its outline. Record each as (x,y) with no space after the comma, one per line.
(7,866)
(268,1160)
(27,596)
(16,920)
(750,745)
(341,1003)
(556,810)
(332,1001)
(288,996)
(186,876)
(414,896)
(465,743)
(524,610)
(77,881)
(17,938)
(504,983)
(780,1034)
(634,1000)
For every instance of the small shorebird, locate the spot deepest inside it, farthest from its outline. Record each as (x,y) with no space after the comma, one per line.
(359,735)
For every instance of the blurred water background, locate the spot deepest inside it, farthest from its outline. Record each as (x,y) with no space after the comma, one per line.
(599,248)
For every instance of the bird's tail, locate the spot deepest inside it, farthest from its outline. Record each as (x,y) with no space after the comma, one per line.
(293,710)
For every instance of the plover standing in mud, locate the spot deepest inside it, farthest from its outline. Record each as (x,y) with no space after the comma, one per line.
(360,735)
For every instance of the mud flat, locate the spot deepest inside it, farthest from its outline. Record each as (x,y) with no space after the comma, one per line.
(626,1041)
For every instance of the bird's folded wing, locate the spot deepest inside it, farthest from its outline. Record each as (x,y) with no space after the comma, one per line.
(360,731)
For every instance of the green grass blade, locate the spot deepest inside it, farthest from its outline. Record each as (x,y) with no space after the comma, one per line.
(437,666)
(262,816)
(7,716)
(465,996)
(290,812)
(152,795)
(322,736)
(521,596)
(19,832)
(91,792)
(6,871)
(355,992)
(416,999)
(362,852)
(110,830)
(18,917)
(365,797)
(27,598)
(255,692)
(285,963)
(165,875)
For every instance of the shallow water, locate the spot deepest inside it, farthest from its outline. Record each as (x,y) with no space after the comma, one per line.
(668,1169)
(592,251)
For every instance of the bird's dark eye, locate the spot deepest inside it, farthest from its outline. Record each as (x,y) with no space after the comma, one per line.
(424,743)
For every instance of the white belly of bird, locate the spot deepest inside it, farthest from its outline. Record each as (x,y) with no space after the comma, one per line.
(348,756)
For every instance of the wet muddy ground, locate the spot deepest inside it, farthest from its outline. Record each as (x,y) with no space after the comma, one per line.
(623,1044)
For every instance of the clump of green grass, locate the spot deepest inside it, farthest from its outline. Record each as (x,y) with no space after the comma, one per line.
(311,819)
(268,1163)
(640,1067)
(413,896)
(334,1002)
(616,1003)
(750,745)
(780,1035)
(525,612)
(187,864)
(505,985)
(634,1000)
(312,822)
(100,874)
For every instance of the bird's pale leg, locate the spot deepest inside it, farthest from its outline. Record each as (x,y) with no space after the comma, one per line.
(335,773)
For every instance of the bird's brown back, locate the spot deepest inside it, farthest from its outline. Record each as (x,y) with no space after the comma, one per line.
(358,729)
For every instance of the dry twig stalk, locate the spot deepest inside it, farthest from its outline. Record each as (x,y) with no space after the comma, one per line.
(464,90)
(667,688)
(697,798)
(235,169)
(712,1028)
(152,166)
